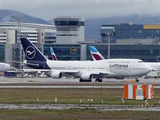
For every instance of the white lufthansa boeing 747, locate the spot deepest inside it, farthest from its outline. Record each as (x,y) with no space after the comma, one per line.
(85,70)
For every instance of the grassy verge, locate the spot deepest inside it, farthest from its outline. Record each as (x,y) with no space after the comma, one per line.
(69,96)
(74,114)
(73,96)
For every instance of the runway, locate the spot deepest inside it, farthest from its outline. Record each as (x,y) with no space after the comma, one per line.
(71,83)
(66,81)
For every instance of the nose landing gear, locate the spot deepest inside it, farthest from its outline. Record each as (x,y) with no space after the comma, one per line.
(137,80)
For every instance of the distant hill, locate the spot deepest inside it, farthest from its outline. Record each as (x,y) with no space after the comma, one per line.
(5,16)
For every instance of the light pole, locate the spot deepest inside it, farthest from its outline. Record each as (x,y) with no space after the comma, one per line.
(107,32)
(19,26)
(18,37)
(109,36)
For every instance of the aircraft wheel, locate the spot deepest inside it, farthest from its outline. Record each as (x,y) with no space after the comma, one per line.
(81,80)
(98,80)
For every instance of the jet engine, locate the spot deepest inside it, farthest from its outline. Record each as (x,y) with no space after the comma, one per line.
(119,77)
(56,74)
(86,76)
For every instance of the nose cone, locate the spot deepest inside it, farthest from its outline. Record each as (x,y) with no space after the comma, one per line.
(148,68)
(8,67)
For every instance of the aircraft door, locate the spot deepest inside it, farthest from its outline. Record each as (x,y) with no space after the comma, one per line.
(89,68)
(69,67)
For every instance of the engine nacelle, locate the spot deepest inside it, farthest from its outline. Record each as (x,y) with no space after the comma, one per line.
(56,74)
(119,77)
(86,76)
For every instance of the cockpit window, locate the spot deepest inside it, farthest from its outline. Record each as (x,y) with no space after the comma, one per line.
(140,61)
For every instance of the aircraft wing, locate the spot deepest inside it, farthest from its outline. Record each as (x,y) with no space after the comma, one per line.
(24,63)
(35,70)
(153,69)
(66,71)
(100,72)
(75,73)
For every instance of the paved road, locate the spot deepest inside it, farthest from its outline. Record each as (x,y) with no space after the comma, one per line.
(102,107)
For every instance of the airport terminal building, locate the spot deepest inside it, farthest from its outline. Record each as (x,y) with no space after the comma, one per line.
(129,40)
(146,52)
(67,38)
(130,31)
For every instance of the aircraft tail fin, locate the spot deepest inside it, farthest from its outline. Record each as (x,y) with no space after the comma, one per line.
(32,53)
(95,53)
(53,54)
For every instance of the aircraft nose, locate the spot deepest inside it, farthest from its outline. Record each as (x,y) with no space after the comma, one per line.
(149,69)
(7,66)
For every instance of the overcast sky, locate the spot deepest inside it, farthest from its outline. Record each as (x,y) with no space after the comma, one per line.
(49,9)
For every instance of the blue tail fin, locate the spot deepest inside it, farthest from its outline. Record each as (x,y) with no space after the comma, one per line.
(33,55)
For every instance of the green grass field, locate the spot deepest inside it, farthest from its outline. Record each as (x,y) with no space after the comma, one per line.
(77,114)
(69,96)
(73,96)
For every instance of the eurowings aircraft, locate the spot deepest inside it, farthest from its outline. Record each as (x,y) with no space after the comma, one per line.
(53,54)
(97,56)
(85,70)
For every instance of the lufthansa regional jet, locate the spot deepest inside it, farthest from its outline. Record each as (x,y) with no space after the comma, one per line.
(85,70)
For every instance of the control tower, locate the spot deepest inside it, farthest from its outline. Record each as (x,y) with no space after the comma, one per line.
(69,30)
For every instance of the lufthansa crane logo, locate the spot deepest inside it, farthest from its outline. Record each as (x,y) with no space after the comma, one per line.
(30,52)
(73,50)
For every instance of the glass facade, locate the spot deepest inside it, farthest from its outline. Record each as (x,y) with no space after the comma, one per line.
(68,23)
(50,37)
(147,53)
(131,31)
(63,52)
(2,53)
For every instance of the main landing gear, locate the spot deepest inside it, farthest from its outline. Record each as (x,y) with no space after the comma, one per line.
(81,80)
(137,80)
(98,80)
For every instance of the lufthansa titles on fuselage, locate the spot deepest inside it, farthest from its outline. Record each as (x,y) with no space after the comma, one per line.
(118,66)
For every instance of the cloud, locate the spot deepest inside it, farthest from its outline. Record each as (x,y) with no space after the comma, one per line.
(83,8)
